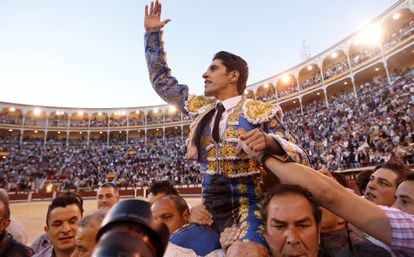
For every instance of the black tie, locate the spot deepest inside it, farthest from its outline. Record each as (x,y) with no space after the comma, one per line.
(216,129)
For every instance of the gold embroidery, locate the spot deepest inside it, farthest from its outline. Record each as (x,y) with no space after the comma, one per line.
(195,103)
(211,166)
(259,111)
(243,232)
(274,124)
(279,133)
(231,132)
(242,188)
(152,42)
(233,168)
(212,153)
(244,208)
(243,217)
(233,118)
(261,229)
(229,150)
(244,201)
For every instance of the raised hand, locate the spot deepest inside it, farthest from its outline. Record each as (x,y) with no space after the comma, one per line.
(152,20)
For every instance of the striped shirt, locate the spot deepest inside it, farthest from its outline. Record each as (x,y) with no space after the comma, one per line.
(402,231)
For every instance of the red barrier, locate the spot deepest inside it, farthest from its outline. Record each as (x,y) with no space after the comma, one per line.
(41,196)
(189,190)
(128,192)
(18,197)
(87,194)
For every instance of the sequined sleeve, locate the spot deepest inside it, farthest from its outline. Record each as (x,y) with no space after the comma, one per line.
(166,86)
(278,131)
(270,117)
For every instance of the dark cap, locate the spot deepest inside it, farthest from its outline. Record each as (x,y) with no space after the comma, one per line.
(134,217)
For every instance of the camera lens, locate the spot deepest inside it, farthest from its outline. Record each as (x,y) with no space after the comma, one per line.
(121,243)
(128,229)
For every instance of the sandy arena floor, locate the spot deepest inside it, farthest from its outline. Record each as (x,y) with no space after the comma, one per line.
(33,214)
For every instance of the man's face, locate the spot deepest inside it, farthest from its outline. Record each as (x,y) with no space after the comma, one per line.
(85,241)
(164,210)
(4,223)
(381,187)
(216,79)
(106,198)
(61,227)
(291,229)
(405,197)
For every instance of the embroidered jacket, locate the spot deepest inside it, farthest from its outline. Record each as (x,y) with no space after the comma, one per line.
(217,158)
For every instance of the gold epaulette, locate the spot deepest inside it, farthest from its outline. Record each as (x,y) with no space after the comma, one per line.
(196,104)
(257,112)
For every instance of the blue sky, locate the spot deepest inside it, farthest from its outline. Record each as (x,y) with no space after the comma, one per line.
(90,53)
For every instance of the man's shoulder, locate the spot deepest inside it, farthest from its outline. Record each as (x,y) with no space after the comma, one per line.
(397,214)
(257,111)
(47,252)
(197,104)
(17,249)
(194,230)
(201,239)
(40,243)
(18,231)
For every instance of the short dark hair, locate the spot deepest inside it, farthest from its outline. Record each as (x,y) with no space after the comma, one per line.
(5,202)
(409,177)
(163,186)
(284,189)
(109,184)
(362,180)
(399,168)
(233,62)
(179,202)
(63,200)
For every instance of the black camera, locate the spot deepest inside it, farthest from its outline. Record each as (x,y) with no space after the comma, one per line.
(129,230)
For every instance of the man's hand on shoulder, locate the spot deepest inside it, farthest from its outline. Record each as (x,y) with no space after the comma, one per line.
(259,141)
(200,215)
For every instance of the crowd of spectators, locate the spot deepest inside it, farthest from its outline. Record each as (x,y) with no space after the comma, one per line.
(29,166)
(287,90)
(316,79)
(335,69)
(353,132)
(396,37)
(362,54)
(359,131)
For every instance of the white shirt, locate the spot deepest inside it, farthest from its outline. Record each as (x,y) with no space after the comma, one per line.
(229,105)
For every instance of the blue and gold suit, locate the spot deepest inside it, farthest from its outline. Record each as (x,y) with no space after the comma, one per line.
(231,188)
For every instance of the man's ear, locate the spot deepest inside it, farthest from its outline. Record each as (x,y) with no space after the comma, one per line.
(234,75)
(46,228)
(6,223)
(186,215)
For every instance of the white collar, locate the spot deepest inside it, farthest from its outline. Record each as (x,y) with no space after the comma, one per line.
(230,103)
